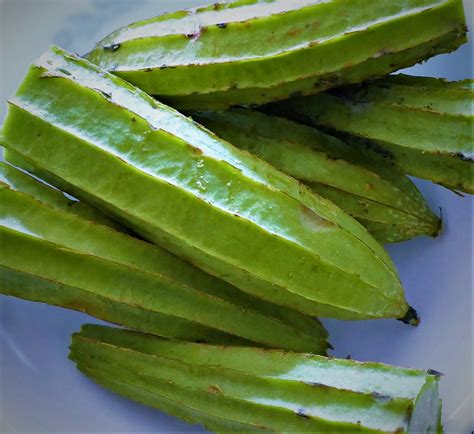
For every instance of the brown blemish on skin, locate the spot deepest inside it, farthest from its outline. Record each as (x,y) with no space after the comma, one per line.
(215,388)
(369,187)
(293,32)
(196,150)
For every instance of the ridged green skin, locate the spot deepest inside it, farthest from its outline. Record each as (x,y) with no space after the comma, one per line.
(40,191)
(256,51)
(253,390)
(180,186)
(422,124)
(391,210)
(151,258)
(32,228)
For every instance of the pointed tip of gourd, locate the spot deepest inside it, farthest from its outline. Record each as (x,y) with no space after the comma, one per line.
(411,317)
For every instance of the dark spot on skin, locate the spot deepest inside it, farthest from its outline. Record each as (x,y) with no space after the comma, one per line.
(106,94)
(379,150)
(112,48)
(200,341)
(196,34)
(313,43)
(217,6)
(38,135)
(148,70)
(332,157)
(435,373)
(64,71)
(301,413)
(221,25)
(133,119)
(167,66)
(381,397)
(71,203)
(348,357)
(369,187)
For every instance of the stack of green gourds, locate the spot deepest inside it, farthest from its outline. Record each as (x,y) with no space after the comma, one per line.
(219,232)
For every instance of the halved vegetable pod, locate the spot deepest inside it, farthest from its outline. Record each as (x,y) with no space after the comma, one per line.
(424,125)
(252,390)
(385,201)
(162,294)
(257,51)
(147,257)
(180,186)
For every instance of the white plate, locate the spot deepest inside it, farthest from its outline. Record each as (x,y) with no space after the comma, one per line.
(40,389)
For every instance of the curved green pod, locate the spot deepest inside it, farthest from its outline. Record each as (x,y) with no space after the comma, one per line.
(391,211)
(180,186)
(421,124)
(159,284)
(247,52)
(253,390)
(142,255)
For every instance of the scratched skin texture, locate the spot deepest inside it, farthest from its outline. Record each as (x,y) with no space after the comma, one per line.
(37,381)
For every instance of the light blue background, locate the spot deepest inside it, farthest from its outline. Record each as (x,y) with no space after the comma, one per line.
(40,390)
